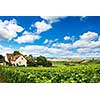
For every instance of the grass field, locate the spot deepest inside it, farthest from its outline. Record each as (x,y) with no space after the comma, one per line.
(58,63)
(59,73)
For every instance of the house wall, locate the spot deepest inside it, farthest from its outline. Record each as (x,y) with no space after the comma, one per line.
(3,63)
(21,61)
(6,59)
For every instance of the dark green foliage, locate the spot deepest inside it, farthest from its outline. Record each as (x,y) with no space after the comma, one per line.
(32,64)
(38,61)
(41,60)
(95,61)
(30,61)
(8,63)
(73,74)
(16,53)
(2,59)
(48,64)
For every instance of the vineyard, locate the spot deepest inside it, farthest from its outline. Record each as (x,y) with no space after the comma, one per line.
(67,74)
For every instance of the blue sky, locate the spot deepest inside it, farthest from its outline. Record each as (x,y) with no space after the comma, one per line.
(51,36)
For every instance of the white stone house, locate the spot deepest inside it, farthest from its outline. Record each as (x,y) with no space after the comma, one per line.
(16,60)
(2,63)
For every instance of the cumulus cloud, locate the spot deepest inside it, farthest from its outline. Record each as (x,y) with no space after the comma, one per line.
(89,52)
(80,43)
(42,26)
(87,45)
(87,40)
(36,50)
(46,23)
(62,45)
(50,42)
(27,37)
(52,19)
(84,50)
(67,38)
(84,47)
(4,50)
(46,41)
(88,36)
(9,29)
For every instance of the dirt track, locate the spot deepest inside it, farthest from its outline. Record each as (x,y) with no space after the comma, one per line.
(2,80)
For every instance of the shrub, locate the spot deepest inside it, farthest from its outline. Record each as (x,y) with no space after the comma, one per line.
(41,60)
(48,64)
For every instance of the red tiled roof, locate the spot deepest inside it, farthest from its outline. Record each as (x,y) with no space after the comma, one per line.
(12,57)
(9,56)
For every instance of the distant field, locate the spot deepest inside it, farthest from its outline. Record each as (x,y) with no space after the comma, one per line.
(58,63)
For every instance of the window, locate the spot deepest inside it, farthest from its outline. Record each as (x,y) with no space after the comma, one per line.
(19,62)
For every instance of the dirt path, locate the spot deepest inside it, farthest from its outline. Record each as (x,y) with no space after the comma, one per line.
(2,80)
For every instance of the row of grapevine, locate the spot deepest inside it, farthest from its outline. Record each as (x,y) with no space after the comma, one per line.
(73,74)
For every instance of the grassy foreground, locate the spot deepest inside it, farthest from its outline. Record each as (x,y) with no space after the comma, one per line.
(70,74)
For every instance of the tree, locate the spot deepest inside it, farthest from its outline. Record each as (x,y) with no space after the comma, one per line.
(48,64)
(38,61)
(17,53)
(31,61)
(41,60)
(2,59)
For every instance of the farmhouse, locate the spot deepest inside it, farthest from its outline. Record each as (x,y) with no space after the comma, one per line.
(16,60)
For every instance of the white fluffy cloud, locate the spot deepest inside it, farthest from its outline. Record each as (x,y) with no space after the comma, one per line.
(42,26)
(36,50)
(46,23)
(89,52)
(62,45)
(67,38)
(46,41)
(27,37)
(84,50)
(89,36)
(52,19)
(87,45)
(4,50)
(50,42)
(80,43)
(87,40)
(9,29)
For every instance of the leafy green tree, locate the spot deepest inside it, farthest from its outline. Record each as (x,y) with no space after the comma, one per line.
(17,53)
(48,64)
(41,60)
(38,61)
(2,59)
(31,61)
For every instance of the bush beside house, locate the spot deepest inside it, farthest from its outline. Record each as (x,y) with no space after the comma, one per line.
(2,60)
(38,61)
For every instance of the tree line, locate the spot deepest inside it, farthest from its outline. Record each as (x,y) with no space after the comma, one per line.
(31,61)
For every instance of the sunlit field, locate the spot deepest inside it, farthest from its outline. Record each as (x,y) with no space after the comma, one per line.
(58,73)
